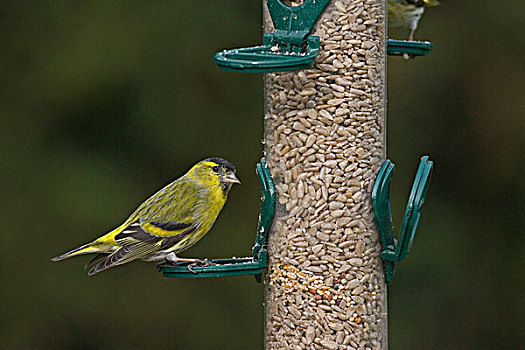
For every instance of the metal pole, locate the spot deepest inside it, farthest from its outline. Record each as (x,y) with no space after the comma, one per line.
(324,144)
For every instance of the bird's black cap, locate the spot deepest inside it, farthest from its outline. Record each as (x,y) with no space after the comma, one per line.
(221,162)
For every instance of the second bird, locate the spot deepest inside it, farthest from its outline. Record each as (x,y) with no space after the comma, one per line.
(170,221)
(407,13)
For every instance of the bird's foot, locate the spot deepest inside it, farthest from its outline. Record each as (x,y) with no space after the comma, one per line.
(199,263)
(411,35)
(173,260)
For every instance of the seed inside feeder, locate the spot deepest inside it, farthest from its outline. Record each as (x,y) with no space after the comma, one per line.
(324,144)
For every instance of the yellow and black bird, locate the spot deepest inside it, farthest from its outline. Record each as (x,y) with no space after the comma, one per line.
(170,221)
(407,13)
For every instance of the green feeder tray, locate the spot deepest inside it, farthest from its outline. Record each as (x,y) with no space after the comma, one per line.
(410,48)
(266,58)
(383,214)
(289,47)
(254,265)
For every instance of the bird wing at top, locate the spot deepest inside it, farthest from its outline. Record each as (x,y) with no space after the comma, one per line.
(155,233)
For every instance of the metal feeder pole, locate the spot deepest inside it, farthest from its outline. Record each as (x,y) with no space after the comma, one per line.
(324,144)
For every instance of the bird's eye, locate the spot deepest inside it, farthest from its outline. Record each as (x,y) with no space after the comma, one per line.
(215,169)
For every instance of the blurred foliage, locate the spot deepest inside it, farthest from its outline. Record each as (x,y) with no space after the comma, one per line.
(103,102)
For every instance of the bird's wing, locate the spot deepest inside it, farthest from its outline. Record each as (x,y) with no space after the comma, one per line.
(162,221)
(142,238)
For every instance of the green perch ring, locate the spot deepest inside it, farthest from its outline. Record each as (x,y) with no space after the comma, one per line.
(383,214)
(289,47)
(408,48)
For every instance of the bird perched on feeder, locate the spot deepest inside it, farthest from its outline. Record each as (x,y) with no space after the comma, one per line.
(170,221)
(406,13)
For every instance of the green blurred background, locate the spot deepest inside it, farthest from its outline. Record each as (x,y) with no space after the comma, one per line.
(104,102)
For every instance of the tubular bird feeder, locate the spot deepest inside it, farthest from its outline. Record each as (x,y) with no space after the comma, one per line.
(330,248)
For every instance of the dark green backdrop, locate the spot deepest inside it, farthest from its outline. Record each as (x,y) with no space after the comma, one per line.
(104,102)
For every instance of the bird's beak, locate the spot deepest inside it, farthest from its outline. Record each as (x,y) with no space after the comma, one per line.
(230,178)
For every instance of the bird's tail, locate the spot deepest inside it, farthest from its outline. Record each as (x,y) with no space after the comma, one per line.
(85,249)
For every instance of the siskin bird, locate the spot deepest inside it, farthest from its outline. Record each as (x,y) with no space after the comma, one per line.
(406,13)
(170,221)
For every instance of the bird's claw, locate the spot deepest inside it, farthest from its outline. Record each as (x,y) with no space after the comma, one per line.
(199,263)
